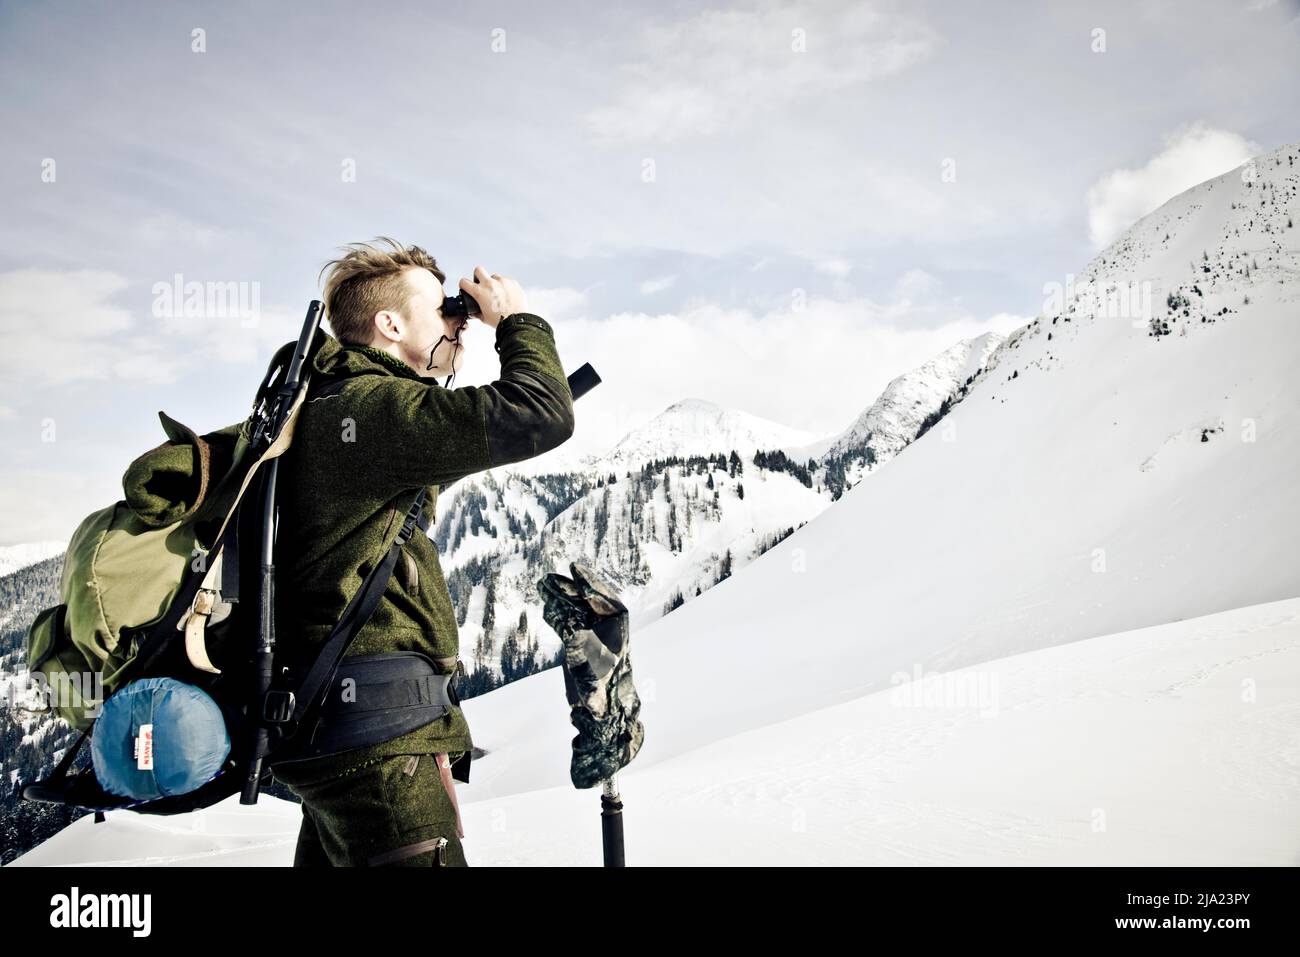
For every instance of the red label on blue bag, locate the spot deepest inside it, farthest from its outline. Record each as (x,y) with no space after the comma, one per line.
(144,748)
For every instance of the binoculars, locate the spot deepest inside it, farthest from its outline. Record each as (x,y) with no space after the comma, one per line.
(459,306)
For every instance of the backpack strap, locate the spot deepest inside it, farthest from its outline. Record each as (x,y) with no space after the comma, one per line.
(61,772)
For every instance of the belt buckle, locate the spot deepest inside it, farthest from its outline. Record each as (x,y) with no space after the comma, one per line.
(278,706)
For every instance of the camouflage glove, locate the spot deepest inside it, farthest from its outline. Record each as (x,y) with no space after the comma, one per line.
(592,622)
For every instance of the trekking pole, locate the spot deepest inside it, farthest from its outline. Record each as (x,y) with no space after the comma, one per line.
(592,622)
(611,822)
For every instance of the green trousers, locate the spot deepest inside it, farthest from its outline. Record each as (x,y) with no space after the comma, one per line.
(397,811)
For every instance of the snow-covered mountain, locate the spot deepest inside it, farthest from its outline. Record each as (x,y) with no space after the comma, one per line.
(1094,545)
(14,557)
(895,419)
(696,427)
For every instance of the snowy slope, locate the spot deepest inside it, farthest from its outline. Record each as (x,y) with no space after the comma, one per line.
(1145,733)
(1043,766)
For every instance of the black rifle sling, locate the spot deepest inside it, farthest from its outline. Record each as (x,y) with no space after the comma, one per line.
(230,559)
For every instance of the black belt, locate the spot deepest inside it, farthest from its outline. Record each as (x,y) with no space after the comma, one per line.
(374,698)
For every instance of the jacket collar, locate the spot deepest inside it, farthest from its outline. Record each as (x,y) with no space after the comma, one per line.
(383,358)
(346,359)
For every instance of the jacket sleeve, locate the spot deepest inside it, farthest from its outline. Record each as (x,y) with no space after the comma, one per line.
(434,436)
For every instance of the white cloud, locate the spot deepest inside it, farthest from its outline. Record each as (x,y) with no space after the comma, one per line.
(562,302)
(228,339)
(1191,156)
(839,268)
(718,69)
(66,497)
(60,326)
(170,229)
(914,285)
(65,326)
(651,286)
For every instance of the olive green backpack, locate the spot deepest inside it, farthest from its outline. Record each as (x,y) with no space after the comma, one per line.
(125,564)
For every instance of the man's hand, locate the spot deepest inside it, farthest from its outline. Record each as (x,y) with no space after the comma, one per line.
(497,296)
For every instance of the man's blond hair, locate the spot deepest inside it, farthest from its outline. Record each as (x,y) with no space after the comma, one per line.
(368,279)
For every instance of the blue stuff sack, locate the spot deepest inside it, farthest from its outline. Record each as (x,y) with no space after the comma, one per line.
(158,737)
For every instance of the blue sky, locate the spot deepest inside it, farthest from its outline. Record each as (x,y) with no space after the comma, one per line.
(744,203)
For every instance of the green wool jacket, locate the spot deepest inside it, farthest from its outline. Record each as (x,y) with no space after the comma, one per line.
(357,460)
